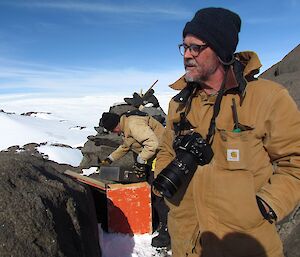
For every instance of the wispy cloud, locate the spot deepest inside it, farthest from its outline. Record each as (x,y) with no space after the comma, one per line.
(88,7)
(262,20)
(294,3)
(78,80)
(282,20)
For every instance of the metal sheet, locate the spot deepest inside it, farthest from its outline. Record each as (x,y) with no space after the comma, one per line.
(110,173)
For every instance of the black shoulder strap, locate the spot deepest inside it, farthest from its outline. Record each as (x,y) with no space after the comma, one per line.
(242,82)
(217,106)
(134,112)
(184,123)
(184,98)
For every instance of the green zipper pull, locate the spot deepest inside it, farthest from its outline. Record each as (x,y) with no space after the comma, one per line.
(236,127)
(237,130)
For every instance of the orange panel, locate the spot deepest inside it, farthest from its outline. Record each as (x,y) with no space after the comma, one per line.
(128,205)
(129,209)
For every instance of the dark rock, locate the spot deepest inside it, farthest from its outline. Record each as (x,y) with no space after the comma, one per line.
(99,129)
(62,145)
(33,113)
(99,147)
(291,244)
(44,213)
(6,112)
(121,108)
(31,146)
(155,112)
(13,148)
(287,73)
(108,139)
(125,163)
(78,127)
(92,150)
(289,231)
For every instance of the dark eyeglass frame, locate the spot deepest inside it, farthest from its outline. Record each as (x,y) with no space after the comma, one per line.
(194,49)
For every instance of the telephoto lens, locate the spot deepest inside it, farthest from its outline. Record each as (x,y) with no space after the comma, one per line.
(191,150)
(171,178)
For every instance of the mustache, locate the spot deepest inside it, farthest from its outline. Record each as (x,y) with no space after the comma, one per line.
(190,62)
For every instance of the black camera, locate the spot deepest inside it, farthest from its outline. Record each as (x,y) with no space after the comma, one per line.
(191,150)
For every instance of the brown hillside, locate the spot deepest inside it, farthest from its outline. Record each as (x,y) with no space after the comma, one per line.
(287,73)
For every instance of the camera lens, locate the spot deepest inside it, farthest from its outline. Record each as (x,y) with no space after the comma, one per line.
(175,174)
(191,150)
(168,181)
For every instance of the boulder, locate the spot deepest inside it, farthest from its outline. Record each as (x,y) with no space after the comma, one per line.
(43,212)
(289,231)
(98,149)
(287,73)
(100,146)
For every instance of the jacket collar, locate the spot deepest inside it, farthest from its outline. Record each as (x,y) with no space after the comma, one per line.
(246,65)
(123,119)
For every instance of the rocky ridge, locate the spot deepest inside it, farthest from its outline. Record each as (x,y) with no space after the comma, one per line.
(42,211)
(287,73)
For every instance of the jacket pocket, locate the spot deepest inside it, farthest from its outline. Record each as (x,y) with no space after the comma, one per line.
(235,200)
(194,246)
(235,193)
(232,150)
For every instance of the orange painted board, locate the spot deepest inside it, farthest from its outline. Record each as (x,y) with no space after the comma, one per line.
(129,209)
(128,205)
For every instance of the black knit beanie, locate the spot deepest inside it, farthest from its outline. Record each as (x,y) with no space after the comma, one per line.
(219,28)
(109,120)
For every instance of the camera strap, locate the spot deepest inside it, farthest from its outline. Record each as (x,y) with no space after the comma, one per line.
(217,105)
(185,99)
(184,123)
(134,113)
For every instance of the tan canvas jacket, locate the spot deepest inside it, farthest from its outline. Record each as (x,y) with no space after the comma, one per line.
(141,134)
(263,160)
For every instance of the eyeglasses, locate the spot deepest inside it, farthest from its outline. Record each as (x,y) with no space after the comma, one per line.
(195,50)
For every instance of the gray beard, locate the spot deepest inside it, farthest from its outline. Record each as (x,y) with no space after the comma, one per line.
(199,79)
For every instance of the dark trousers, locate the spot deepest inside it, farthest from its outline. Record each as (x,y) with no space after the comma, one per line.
(159,208)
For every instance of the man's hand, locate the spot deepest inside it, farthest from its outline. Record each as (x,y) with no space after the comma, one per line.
(106,162)
(140,160)
(141,170)
(138,167)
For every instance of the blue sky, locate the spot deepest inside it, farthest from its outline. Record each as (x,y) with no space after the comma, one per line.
(83,47)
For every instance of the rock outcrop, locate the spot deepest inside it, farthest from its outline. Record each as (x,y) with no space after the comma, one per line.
(289,231)
(43,212)
(98,147)
(287,73)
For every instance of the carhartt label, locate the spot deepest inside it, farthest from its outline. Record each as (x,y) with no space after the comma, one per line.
(233,155)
